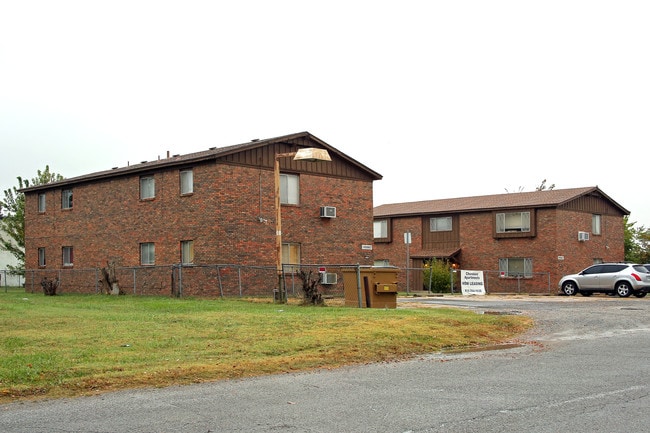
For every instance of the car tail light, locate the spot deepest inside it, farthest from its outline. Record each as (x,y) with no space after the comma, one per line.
(636,277)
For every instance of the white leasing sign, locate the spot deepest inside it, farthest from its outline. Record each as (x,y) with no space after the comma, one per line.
(471,283)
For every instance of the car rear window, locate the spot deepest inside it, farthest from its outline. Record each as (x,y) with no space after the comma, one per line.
(642,268)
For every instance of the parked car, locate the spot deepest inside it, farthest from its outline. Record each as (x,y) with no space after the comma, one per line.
(622,279)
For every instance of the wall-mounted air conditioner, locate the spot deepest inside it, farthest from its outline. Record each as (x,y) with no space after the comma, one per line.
(583,236)
(328,212)
(328,278)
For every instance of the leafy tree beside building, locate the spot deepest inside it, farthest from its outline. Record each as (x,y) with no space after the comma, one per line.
(637,242)
(12,216)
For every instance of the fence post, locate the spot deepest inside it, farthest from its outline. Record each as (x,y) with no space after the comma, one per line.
(239,279)
(219,281)
(180,280)
(359,284)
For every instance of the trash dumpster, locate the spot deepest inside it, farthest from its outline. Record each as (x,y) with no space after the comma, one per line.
(378,287)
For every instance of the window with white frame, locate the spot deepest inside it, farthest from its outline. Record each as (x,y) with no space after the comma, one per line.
(147,187)
(516,267)
(187,181)
(290,256)
(147,253)
(440,224)
(42,203)
(513,222)
(595,224)
(66,199)
(41,257)
(187,252)
(380,229)
(68,256)
(289,189)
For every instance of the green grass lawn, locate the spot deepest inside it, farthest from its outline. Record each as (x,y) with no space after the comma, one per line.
(68,345)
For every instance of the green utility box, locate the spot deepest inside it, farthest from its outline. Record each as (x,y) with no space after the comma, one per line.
(377,286)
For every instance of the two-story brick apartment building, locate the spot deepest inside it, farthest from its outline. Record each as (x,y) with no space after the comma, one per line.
(211,207)
(526,241)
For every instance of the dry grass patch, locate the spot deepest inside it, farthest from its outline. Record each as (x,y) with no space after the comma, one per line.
(80,344)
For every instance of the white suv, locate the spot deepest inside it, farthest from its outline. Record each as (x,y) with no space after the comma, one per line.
(623,279)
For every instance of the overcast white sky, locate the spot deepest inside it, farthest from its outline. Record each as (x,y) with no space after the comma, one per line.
(443,98)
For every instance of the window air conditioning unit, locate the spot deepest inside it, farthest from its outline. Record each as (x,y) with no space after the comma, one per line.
(583,236)
(328,212)
(329,278)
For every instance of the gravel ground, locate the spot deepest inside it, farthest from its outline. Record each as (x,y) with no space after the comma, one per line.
(557,318)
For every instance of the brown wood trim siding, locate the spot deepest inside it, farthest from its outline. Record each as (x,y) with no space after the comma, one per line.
(389,230)
(440,241)
(264,157)
(592,204)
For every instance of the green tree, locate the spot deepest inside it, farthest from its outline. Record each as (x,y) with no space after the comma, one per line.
(637,242)
(541,187)
(544,187)
(12,216)
(436,276)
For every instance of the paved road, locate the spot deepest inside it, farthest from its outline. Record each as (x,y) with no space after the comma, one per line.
(584,368)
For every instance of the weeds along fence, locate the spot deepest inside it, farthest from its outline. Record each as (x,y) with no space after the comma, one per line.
(219,280)
(176,280)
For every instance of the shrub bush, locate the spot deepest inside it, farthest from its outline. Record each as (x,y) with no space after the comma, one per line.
(436,276)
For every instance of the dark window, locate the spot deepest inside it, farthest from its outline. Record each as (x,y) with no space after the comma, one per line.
(68,257)
(41,257)
(147,187)
(42,203)
(596,269)
(66,199)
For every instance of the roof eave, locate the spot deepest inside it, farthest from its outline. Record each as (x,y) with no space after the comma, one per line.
(212,154)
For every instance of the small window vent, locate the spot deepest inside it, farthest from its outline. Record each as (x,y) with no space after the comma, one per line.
(583,236)
(328,212)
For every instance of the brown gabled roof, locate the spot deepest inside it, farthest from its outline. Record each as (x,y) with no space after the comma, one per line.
(206,155)
(534,199)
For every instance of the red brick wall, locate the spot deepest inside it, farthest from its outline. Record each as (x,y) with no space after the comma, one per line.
(557,235)
(109,221)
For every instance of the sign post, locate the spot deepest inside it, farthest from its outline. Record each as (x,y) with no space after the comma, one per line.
(407,241)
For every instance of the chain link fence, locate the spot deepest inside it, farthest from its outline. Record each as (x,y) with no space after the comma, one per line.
(220,280)
(412,280)
(230,280)
(11,279)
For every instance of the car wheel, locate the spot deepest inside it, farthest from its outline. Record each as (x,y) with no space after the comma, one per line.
(640,294)
(623,289)
(569,288)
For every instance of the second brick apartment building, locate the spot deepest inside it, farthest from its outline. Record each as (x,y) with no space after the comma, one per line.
(524,242)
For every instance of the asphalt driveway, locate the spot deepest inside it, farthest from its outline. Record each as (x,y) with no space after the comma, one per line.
(584,368)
